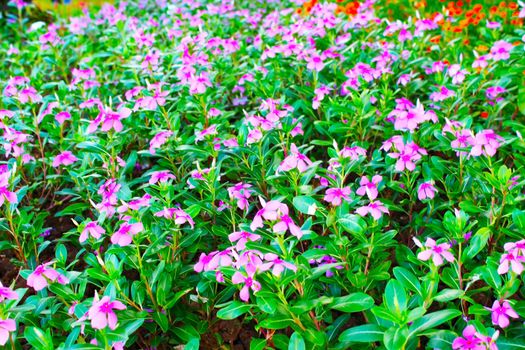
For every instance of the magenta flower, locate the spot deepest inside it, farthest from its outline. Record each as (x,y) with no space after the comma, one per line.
(6,326)
(124,235)
(112,120)
(241,192)
(101,313)
(276,264)
(295,160)
(198,84)
(65,158)
(315,63)
(91,229)
(435,251)
(486,142)
(515,261)
(158,140)
(160,176)
(501,313)
(376,209)
(206,263)
(500,51)
(286,223)
(61,117)
(7,293)
(179,215)
(335,196)
(352,152)
(43,274)
(249,283)
(369,187)
(270,211)
(242,237)
(442,94)
(470,340)
(5,194)
(426,191)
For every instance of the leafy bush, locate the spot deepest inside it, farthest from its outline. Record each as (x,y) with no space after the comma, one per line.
(264,174)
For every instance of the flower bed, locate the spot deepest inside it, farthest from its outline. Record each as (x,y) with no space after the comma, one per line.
(263,174)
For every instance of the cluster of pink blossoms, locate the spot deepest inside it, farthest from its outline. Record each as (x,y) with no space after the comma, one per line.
(513,258)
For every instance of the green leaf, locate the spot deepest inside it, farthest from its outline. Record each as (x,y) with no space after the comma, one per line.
(476,243)
(162,320)
(233,310)
(353,224)
(266,301)
(306,205)
(510,344)
(431,320)
(193,344)
(407,279)
(395,297)
(355,302)
(275,323)
(396,338)
(296,342)
(257,344)
(38,339)
(449,294)
(367,333)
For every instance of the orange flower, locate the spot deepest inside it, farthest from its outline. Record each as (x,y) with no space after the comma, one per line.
(435,39)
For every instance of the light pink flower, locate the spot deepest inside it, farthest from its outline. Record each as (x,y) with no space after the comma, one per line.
(65,158)
(6,326)
(435,251)
(241,192)
(43,274)
(501,313)
(426,190)
(179,215)
(249,283)
(5,193)
(515,261)
(7,293)
(486,142)
(160,176)
(369,187)
(276,264)
(242,237)
(315,63)
(158,140)
(376,209)
(295,160)
(91,229)
(102,313)
(61,117)
(124,235)
(335,196)
(286,223)
(270,211)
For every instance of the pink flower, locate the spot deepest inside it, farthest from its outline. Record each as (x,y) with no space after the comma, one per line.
(112,120)
(486,142)
(61,117)
(470,340)
(501,313)
(335,195)
(65,158)
(241,192)
(40,278)
(5,194)
(212,130)
(515,261)
(315,63)
(180,216)
(286,223)
(198,84)
(270,211)
(369,187)
(6,326)
(7,293)
(242,237)
(436,251)
(158,140)
(442,94)
(295,160)
(500,50)
(249,283)
(101,313)
(124,235)
(91,229)
(276,264)
(376,209)
(352,152)
(426,190)
(160,176)
(206,263)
